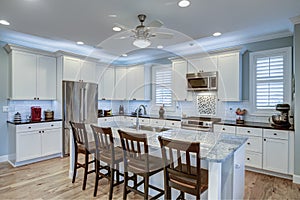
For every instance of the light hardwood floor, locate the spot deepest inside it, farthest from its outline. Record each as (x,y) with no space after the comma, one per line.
(49,180)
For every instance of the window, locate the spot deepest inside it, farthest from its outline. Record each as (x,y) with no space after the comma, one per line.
(271,78)
(162,76)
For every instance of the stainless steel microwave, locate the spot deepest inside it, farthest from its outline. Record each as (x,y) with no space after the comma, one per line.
(202,81)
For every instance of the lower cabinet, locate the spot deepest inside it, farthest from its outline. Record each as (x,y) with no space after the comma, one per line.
(31,142)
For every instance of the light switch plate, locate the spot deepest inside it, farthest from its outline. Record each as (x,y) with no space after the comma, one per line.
(5,109)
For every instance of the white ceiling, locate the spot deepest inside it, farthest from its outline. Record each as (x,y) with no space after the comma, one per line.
(39,22)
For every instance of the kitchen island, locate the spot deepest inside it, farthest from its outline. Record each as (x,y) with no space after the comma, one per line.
(222,154)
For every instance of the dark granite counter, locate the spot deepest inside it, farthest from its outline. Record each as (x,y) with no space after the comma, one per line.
(175,118)
(254,125)
(32,122)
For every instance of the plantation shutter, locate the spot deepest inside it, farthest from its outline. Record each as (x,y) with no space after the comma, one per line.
(269,81)
(163,81)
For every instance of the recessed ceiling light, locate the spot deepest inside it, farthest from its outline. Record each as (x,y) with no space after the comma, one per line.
(4,22)
(216,34)
(80,43)
(116,28)
(124,55)
(184,3)
(160,46)
(113,16)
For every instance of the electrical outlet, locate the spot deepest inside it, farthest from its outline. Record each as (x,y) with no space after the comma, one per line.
(5,109)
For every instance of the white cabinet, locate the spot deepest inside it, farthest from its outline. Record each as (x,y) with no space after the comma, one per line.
(276,151)
(203,64)
(173,123)
(254,146)
(75,69)
(157,122)
(103,120)
(179,82)
(135,83)
(219,128)
(229,77)
(32,75)
(106,83)
(33,142)
(120,83)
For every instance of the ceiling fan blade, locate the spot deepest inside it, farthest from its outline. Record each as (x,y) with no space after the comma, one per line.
(161,35)
(123,37)
(156,23)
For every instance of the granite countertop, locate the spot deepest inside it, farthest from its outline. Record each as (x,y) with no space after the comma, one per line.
(31,122)
(254,125)
(176,118)
(215,147)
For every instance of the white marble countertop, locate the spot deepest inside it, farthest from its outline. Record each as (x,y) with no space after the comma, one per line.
(215,147)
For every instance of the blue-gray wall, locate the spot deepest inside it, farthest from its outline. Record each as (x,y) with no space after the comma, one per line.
(297,97)
(3,101)
(260,46)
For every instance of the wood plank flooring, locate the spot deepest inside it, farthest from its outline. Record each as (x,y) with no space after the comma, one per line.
(49,180)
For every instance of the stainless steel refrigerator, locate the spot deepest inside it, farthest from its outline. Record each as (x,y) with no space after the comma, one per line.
(80,104)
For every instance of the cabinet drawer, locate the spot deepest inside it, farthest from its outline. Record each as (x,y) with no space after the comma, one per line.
(276,134)
(172,123)
(224,129)
(253,159)
(144,121)
(254,144)
(50,125)
(249,131)
(157,122)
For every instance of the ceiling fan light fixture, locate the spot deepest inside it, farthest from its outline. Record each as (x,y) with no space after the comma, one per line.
(116,28)
(4,22)
(141,43)
(184,3)
(217,34)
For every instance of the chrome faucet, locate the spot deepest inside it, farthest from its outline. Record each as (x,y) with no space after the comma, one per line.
(137,116)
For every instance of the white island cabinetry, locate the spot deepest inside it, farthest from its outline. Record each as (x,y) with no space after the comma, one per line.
(30,143)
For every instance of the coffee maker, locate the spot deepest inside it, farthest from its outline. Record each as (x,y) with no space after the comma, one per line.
(281,120)
(36,113)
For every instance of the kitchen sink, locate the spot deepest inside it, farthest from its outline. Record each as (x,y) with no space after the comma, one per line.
(150,128)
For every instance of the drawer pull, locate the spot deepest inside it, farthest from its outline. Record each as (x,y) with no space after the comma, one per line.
(248,158)
(29,127)
(248,131)
(39,131)
(223,129)
(52,124)
(265,139)
(172,123)
(248,143)
(275,133)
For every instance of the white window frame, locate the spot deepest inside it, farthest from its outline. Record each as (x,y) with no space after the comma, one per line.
(286,52)
(154,105)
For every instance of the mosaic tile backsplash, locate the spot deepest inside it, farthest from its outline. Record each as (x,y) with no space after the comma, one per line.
(207,104)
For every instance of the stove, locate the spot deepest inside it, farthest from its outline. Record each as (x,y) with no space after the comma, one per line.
(199,123)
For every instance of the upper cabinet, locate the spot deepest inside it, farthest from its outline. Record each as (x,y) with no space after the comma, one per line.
(120,88)
(135,82)
(229,76)
(203,64)
(179,82)
(75,69)
(32,74)
(106,79)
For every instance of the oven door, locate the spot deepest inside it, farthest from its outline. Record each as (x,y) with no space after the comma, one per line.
(199,83)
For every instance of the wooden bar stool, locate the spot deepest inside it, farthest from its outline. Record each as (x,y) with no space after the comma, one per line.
(180,174)
(83,146)
(107,153)
(138,162)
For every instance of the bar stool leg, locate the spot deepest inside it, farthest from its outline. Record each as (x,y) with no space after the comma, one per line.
(125,185)
(112,172)
(146,186)
(97,177)
(75,167)
(85,170)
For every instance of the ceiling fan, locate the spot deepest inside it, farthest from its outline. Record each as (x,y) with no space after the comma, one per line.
(142,33)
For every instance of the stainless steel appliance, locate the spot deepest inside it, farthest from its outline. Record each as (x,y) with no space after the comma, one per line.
(202,81)
(199,123)
(281,120)
(80,104)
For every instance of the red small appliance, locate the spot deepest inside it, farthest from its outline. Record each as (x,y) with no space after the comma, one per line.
(36,113)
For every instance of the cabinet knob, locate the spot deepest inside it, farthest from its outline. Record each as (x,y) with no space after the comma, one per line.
(103,99)
(265,139)
(248,131)
(172,123)
(248,158)
(223,129)
(38,98)
(134,99)
(34,98)
(52,124)
(275,133)
(42,131)
(39,131)
(248,143)
(29,127)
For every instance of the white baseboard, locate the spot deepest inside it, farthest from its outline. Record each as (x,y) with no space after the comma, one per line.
(296,179)
(4,158)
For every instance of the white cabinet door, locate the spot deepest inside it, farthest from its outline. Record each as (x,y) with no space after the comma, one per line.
(71,69)
(203,64)
(179,82)
(275,155)
(28,145)
(218,128)
(229,81)
(135,83)
(120,83)
(23,83)
(88,72)
(46,78)
(51,141)
(107,84)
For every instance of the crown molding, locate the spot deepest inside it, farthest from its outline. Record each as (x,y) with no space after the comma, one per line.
(295,20)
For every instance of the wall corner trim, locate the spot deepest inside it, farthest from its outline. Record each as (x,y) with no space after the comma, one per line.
(3,158)
(296,179)
(295,20)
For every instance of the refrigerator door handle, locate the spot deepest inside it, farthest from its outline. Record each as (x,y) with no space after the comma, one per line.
(81,106)
(84,105)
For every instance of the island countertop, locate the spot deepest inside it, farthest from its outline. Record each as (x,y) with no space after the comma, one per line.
(215,147)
